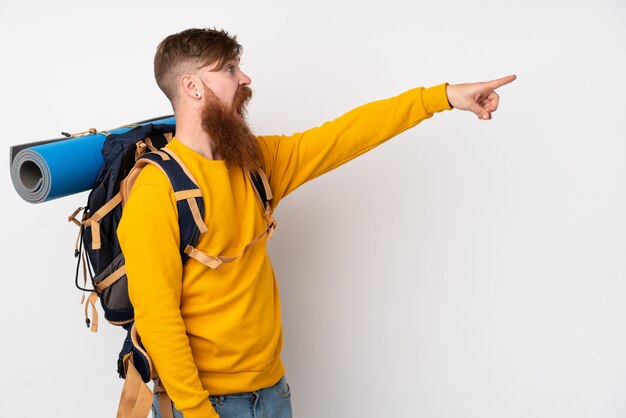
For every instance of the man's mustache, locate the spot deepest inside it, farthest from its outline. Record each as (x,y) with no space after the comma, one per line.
(242,97)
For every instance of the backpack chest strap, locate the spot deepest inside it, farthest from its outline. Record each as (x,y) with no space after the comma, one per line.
(215,262)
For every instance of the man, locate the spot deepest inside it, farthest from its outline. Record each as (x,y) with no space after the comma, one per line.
(215,335)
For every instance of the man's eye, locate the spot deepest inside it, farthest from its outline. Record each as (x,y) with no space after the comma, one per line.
(230,69)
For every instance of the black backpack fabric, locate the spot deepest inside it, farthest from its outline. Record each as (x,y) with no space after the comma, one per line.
(120,152)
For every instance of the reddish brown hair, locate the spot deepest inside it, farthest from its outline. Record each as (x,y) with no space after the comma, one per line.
(190,50)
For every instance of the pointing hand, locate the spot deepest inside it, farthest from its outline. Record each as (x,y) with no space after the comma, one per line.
(479,98)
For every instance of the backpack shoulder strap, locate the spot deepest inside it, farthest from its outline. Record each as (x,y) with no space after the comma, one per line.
(261,185)
(190,202)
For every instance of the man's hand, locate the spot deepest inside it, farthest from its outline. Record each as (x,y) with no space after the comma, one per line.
(479,98)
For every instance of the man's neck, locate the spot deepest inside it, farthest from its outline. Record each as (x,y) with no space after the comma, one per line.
(190,133)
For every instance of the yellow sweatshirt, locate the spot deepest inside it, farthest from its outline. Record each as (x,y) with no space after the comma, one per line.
(216,332)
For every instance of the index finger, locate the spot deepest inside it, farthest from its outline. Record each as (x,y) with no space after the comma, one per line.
(494,84)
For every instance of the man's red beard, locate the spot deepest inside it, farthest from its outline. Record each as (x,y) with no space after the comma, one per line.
(231,136)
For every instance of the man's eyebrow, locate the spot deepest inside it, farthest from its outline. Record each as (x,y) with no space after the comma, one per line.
(225,64)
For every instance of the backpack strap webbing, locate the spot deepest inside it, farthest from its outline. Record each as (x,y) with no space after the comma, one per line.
(261,185)
(91,301)
(264,194)
(111,278)
(214,262)
(136,398)
(94,219)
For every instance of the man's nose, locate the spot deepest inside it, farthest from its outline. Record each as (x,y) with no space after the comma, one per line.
(244,79)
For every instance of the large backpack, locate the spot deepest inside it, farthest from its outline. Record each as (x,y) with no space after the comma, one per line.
(99,253)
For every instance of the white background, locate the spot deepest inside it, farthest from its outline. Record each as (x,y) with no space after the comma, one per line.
(464,269)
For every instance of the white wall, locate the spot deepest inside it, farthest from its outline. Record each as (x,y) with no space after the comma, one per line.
(465,269)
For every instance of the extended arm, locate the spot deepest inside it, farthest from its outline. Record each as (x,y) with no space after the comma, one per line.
(295,159)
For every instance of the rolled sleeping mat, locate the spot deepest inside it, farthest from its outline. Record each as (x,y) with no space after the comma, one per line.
(54,168)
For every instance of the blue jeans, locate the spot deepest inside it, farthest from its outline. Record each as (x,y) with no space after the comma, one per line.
(271,402)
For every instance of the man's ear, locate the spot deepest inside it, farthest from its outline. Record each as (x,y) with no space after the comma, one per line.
(191,86)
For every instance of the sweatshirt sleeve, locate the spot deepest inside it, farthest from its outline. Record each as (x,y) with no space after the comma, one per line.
(154,270)
(293,160)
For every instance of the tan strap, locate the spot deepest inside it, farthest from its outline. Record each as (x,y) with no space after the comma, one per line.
(94,220)
(72,217)
(197,217)
(134,336)
(111,278)
(168,136)
(190,196)
(90,131)
(128,321)
(271,223)
(187,194)
(93,297)
(208,260)
(136,398)
(96,243)
(215,262)
(162,154)
(269,219)
(127,183)
(140,149)
(267,232)
(180,162)
(149,144)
